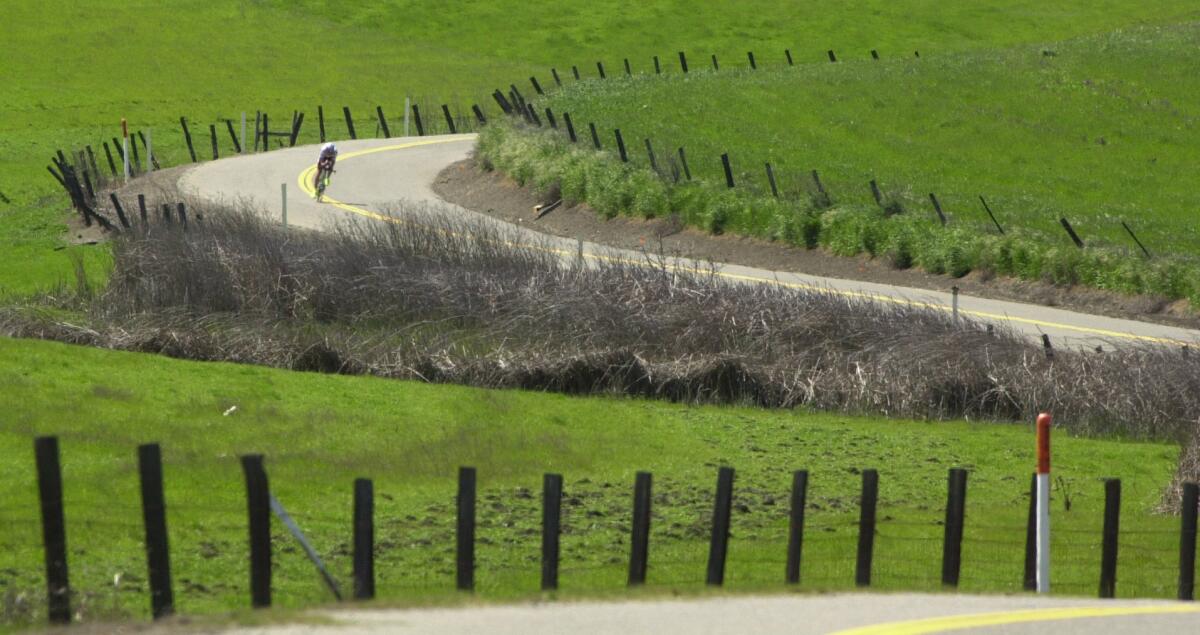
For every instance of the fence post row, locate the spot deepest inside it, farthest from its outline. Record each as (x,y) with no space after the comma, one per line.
(796,525)
(465,535)
(956,499)
(719,545)
(258,507)
(364,539)
(54,530)
(552,486)
(866,527)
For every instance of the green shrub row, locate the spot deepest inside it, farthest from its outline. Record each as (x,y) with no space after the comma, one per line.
(546,160)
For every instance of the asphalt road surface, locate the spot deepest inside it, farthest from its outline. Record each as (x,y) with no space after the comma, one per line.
(374,175)
(849,614)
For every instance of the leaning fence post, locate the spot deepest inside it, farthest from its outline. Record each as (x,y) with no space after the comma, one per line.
(1112,530)
(937,207)
(639,538)
(595,137)
(112,166)
(796,525)
(1071,232)
(728,170)
(683,62)
(237,147)
(417,120)
(296,130)
(54,529)
(750,54)
(465,535)
(551,529)
(258,505)
(650,153)
(364,539)
(771,180)
(866,527)
(600,68)
(449,119)
(716,66)
(832,57)
(657,66)
(142,209)
(683,162)
(621,146)
(570,127)
(118,207)
(536,86)
(788,53)
(154,519)
(956,499)
(349,121)
(321,122)
(719,545)
(550,118)
(557,81)
(874,54)
(1187,540)
(575,72)
(212,133)
(478,114)
(187,136)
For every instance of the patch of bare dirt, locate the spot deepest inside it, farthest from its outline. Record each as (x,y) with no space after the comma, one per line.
(495,194)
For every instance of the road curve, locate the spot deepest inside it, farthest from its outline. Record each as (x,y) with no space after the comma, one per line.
(848,614)
(375,174)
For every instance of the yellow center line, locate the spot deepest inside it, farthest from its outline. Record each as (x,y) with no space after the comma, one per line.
(306,177)
(959,622)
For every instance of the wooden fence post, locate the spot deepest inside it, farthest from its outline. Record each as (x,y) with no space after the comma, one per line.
(771,181)
(991,215)
(956,505)
(628,71)
(349,122)
(465,535)
(796,525)
(937,207)
(832,57)
(1030,579)
(142,209)
(570,127)
(753,66)
(683,62)
(874,54)
(504,105)
(650,153)
(639,538)
(657,66)
(154,519)
(112,166)
(1071,232)
(788,53)
(557,81)
(550,118)
(54,529)
(575,71)
(536,86)
(212,133)
(600,67)
(621,146)
(683,162)
(187,136)
(321,122)
(866,527)
(1112,530)
(719,544)
(112,196)
(296,130)
(552,485)
(364,539)
(478,114)
(1187,540)
(716,66)
(266,134)
(258,507)
(449,119)
(166,213)
(417,120)
(533,116)
(595,137)
(179,207)
(92,164)
(728,170)
(875,193)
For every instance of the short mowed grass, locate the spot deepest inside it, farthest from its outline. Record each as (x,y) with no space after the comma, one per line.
(320,432)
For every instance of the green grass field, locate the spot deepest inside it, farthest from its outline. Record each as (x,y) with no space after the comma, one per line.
(319,432)
(1100,131)
(81,66)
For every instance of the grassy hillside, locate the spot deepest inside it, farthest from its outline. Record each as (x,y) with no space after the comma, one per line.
(81,66)
(1099,129)
(319,432)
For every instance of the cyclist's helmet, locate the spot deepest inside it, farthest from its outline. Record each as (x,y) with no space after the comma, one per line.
(328,149)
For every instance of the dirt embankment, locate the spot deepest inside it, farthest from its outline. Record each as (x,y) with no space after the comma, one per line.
(497,195)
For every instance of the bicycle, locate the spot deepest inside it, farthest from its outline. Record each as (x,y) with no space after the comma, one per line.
(322,180)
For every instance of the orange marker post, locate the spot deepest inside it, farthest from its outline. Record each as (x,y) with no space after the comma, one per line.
(1043,502)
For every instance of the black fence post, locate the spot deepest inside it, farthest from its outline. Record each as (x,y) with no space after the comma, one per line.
(832,57)
(570,127)
(349,121)
(1127,229)
(182,210)
(321,122)
(1187,540)
(136,164)
(753,66)
(937,207)
(557,81)
(1071,232)
(187,136)
(54,529)
(87,183)
(716,66)
(266,134)
(657,66)
(719,545)
(478,114)
(956,505)
(639,538)
(595,137)
(788,54)
(364,539)
(628,71)
(533,116)
(550,118)
(112,166)
(621,146)
(600,68)
(383,124)
(166,213)
(142,209)
(875,193)
(771,181)
(92,163)
(449,119)
(112,196)
(650,153)
(237,145)
(991,215)
(575,72)
(154,519)
(866,527)
(536,86)
(687,173)
(683,62)
(502,101)
(296,130)
(1112,529)
(212,133)
(1049,350)
(728,170)
(417,120)
(258,506)
(552,486)
(1030,581)
(796,525)
(465,577)
(874,54)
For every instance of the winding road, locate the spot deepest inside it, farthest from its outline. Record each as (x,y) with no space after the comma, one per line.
(375,175)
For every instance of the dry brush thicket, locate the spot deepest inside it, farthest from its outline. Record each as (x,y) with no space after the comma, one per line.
(442,301)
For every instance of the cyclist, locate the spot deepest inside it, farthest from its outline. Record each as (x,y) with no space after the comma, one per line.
(325,162)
